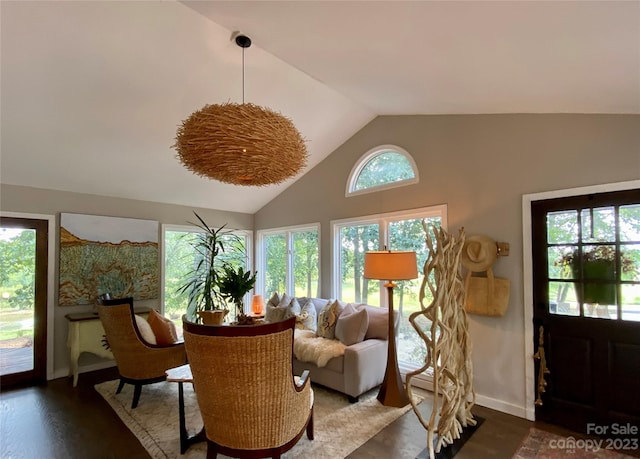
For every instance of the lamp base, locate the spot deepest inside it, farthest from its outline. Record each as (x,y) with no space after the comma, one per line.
(392,391)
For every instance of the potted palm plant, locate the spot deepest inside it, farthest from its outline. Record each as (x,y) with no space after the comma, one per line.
(204,298)
(234,284)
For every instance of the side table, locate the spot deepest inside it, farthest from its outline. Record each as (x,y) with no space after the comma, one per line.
(85,335)
(181,375)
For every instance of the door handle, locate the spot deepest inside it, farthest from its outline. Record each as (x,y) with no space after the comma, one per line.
(543,370)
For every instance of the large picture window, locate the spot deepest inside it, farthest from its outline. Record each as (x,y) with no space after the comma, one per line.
(179,258)
(393,231)
(289,261)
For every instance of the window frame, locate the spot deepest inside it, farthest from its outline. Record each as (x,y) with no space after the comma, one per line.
(288,231)
(336,225)
(364,160)
(247,235)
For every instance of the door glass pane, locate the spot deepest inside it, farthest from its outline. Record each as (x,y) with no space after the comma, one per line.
(305,263)
(631,302)
(598,225)
(603,258)
(409,235)
(560,261)
(630,223)
(17,299)
(562,227)
(562,299)
(354,242)
(275,255)
(601,311)
(630,258)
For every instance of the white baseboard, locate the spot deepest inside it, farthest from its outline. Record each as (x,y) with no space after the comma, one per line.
(426,382)
(501,405)
(62,373)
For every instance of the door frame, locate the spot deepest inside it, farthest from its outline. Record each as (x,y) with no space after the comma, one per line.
(527,265)
(51,288)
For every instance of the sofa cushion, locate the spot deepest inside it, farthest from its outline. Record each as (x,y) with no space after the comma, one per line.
(328,318)
(352,325)
(378,322)
(163,328)
(307,319)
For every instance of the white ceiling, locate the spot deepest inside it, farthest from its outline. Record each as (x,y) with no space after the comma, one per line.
(92,92)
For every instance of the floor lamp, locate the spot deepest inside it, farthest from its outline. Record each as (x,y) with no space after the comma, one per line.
(391,266)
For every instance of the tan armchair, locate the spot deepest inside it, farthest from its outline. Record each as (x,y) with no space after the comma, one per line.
(138,362)
(250,402)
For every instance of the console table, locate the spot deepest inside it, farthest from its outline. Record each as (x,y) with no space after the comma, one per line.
(85,335)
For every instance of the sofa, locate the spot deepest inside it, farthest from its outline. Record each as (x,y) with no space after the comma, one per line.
(343,345)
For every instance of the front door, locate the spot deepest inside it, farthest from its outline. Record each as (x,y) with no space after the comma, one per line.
(23,300)
(586,264)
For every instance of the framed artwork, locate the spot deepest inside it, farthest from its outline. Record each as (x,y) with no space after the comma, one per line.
(107,255)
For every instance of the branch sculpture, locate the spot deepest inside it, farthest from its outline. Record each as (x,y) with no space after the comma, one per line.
(447,340)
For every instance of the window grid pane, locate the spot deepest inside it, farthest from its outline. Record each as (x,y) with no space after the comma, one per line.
(305,263)
(354,242)
(275,250)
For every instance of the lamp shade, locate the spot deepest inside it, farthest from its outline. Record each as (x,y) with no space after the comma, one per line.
(257,304)
(388,265)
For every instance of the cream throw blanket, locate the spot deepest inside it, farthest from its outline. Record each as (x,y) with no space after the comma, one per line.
(308,347)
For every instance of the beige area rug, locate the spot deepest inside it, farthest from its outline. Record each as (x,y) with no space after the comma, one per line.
(540,444)
(339,427)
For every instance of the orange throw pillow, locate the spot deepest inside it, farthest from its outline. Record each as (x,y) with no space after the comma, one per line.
(163,328)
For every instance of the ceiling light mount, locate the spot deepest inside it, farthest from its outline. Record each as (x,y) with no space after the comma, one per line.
(241,144)
(243,41)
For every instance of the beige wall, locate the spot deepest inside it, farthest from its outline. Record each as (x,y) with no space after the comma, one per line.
(28,200)
(480,166)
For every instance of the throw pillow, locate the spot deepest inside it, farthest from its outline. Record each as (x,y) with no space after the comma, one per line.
(328,318)
(287,307)
(307,318)
(352,325)
(163,328)
(145,330)
(274,300)
(378,322)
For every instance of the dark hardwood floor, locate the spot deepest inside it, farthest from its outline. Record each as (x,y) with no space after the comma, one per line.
(57,420)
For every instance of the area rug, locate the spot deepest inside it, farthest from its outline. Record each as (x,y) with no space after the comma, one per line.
(540,444)
(339,426)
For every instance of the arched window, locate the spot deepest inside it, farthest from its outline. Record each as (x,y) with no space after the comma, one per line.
(381,168)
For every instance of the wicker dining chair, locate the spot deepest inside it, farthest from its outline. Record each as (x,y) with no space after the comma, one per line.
(251,404)
(138,362)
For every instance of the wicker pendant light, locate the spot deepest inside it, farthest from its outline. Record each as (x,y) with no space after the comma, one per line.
(241,144)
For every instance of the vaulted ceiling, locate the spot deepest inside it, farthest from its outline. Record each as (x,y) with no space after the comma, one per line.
(92,92)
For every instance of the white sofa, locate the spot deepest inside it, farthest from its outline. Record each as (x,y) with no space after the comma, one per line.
(361,366)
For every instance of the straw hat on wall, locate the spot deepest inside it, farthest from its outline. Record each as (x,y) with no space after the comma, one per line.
(479,253)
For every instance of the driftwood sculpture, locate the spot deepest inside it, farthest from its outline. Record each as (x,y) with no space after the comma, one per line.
(447,340)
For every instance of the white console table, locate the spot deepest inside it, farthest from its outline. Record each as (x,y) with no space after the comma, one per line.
(85,335)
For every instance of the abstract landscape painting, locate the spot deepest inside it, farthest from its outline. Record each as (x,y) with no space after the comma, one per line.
(112,255)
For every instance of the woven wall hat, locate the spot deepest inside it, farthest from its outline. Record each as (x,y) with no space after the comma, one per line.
(479,253)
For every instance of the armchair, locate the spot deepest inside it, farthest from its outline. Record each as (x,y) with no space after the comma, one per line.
(138,362)
(251,404)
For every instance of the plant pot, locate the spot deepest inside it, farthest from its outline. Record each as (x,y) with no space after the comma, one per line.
(599,282)
(213,317)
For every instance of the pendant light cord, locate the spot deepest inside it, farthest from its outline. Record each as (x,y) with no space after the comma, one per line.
(242,76)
